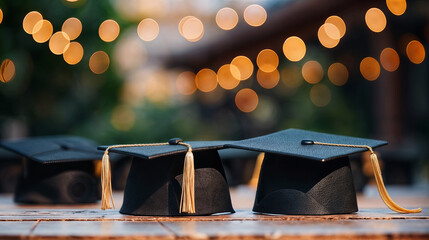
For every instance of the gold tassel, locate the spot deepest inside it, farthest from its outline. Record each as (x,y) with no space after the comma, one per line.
(382,189)
(256,170)
(106,182)
(187,200)
(377,173)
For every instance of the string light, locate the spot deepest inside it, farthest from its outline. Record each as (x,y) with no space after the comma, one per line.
(99,62)
(148,29)
(255,15)
(73,28)
(369,68)
(227,18)
(109,30)
(294,48)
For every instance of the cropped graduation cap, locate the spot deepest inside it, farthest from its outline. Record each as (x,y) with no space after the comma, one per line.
(57,170)
(309,173)
(170,179)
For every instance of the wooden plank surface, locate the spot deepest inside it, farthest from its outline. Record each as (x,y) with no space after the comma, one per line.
(373,221)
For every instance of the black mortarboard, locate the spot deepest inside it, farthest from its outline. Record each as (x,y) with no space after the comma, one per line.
(238,165)
(57,170)
(309,173)
(170,179)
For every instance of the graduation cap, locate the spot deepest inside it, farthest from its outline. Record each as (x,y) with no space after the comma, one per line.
(170,179)
(309,173)
(57,169)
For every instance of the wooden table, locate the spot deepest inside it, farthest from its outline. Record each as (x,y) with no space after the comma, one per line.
(373,221)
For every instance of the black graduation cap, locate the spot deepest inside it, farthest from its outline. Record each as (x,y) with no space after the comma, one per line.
(309,173)
(10,170)
(57,170)
(170,179)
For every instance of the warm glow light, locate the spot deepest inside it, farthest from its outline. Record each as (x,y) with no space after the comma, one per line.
(389,59)
(108,30)
(320,95)
(339,23)
(225,78)
(148,29)
(312,72)
(294,48)
(324,38)
(7,70)
(332,31)
(74,53)
(268,80)
(185,83)
(244,66)
(191,28)
(227,18)
(369,68)
(397,7)
(59,43)
(99,62)
(291,77)
(129,53)
(255,15)
(30,21)
(338,74)
(375,20)
(123,118)
(73,28)
(267,60)
(416,52)
(206,80)
(246,100)
(1,15)
(42,31)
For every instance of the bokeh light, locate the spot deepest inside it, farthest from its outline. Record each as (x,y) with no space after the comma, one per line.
(312,72)
(99,62)
(294,48)
(397,7)
(43,31)
(338,74)
(148,29)
(225,78)
(244,66)
(109,30)
(291,76)
(30,21)
(185,83)
(375,20)
(73,28)
(389,59)
(268,80)
(123,118)
(320,95)
(157,86)
(206,80)
(129,53)
(416,52)
(255,15)
(7,70)
(246,100)
(74,53)
(325,39)
(226,18)
(1,16)
(369,68)
(59,43)
(337,22)
(267,60)
(191,28)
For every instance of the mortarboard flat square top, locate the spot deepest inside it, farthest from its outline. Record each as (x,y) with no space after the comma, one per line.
(152,152)
(155,182)
(54,149)
(288,142)
(57,170)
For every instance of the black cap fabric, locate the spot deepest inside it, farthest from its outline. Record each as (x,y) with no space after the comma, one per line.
(306,179)
(288,143)
(53,149)
(57,170)
(154,183)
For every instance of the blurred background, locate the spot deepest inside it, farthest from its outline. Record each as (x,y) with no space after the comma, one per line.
(138,71)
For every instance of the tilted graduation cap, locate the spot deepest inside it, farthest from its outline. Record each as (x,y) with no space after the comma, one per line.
(169,179)
(309,173)
(57,170)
